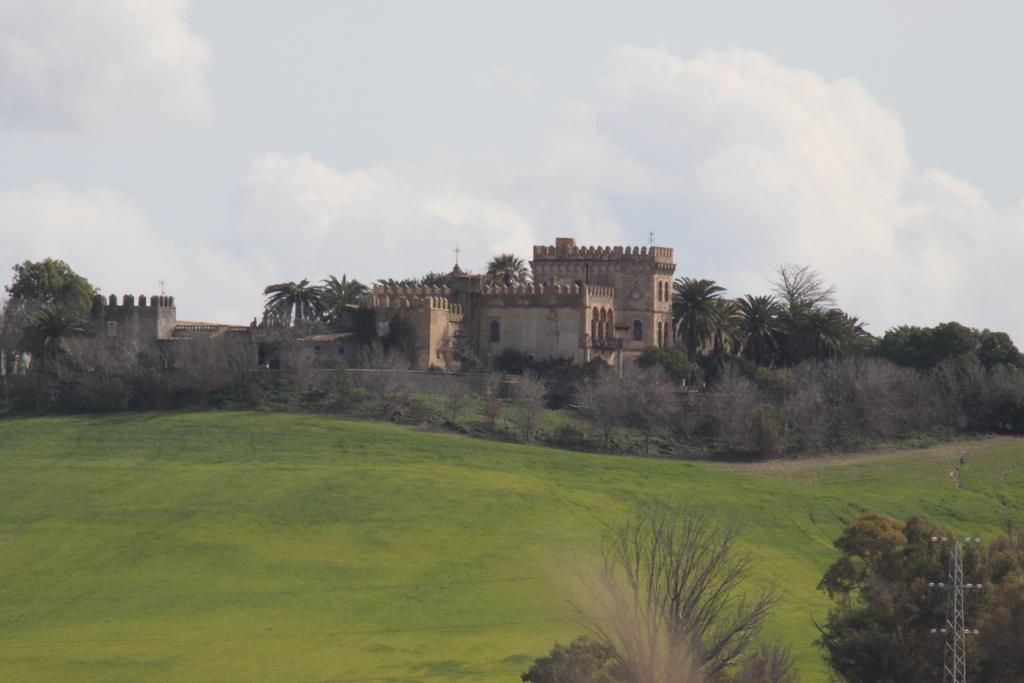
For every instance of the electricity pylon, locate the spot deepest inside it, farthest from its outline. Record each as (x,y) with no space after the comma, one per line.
(954,661)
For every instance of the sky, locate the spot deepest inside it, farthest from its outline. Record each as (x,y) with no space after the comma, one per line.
(220,146)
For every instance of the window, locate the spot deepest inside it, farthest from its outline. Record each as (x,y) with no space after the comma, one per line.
(495,331)
(111,328)
(661,339)
(638,331)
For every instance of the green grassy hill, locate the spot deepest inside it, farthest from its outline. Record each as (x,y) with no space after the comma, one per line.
(277,547)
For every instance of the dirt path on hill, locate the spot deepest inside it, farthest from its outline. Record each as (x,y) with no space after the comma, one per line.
(811,465)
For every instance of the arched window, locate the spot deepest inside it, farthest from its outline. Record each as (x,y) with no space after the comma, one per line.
(602,329)
(495,331)
(661,339)
(593,324)
(638,331)
(661,291)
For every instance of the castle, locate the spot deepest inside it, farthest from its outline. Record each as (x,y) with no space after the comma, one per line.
(583,303)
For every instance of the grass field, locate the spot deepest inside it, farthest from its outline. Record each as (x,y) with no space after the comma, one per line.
(252,547)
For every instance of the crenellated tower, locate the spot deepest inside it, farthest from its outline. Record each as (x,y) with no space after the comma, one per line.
(641,278)
(148,320)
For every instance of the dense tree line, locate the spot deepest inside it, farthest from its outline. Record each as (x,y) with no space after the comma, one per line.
(762,376)
(880,628)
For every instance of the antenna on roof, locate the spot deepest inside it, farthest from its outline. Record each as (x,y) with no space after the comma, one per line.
(457,250)
(162,283)
(650,238)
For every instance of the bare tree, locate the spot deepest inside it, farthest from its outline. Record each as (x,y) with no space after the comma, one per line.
(769,663)
(456,397)
(803,287)
(602,401)
(732,406)
(529,399)
(298,362)
(387,384)
(648,401)
(668,596)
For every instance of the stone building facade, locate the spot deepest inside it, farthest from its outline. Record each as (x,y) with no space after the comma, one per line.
(153,323)
(584,302)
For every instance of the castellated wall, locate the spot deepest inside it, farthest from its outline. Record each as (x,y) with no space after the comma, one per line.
(434,320)
(542,321)
(149,319)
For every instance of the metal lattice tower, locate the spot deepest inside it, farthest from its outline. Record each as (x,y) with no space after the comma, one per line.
(954,666)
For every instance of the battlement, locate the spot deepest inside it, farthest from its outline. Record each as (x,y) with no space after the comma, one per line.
(386,290)
(532,290)
(386,301)
(553,291)
(565,249)
(128,301)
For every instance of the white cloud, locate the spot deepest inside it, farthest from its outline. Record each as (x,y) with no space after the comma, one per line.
(378,222)
(738,161)
(100,65)
(781,165)
(106,237)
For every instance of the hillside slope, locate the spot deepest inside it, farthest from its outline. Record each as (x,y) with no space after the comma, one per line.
(244,546)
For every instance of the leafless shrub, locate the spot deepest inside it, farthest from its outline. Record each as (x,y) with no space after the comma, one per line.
(668,596)
(529,399)
(298,363)
(732,407)
(602,401)
(457,397)
(387,384)
(649,400)
(769,663)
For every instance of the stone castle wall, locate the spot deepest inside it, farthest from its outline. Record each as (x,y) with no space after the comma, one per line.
(151,320)
(641,278)
(584,301)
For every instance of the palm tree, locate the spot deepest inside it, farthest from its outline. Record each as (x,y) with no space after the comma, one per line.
(49,326)
(762,327)
(298,299)
(727,336)
(508,269)
(337,294)
(820,333)
(693,312)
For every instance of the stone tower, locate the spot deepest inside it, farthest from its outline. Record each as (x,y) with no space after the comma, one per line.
(640,276)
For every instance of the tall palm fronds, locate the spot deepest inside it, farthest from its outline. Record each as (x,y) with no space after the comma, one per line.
(762,327)
(337,294)
(49,326)
(693,312)
(294,301)
(819,333)
(727,337)
(508,269)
